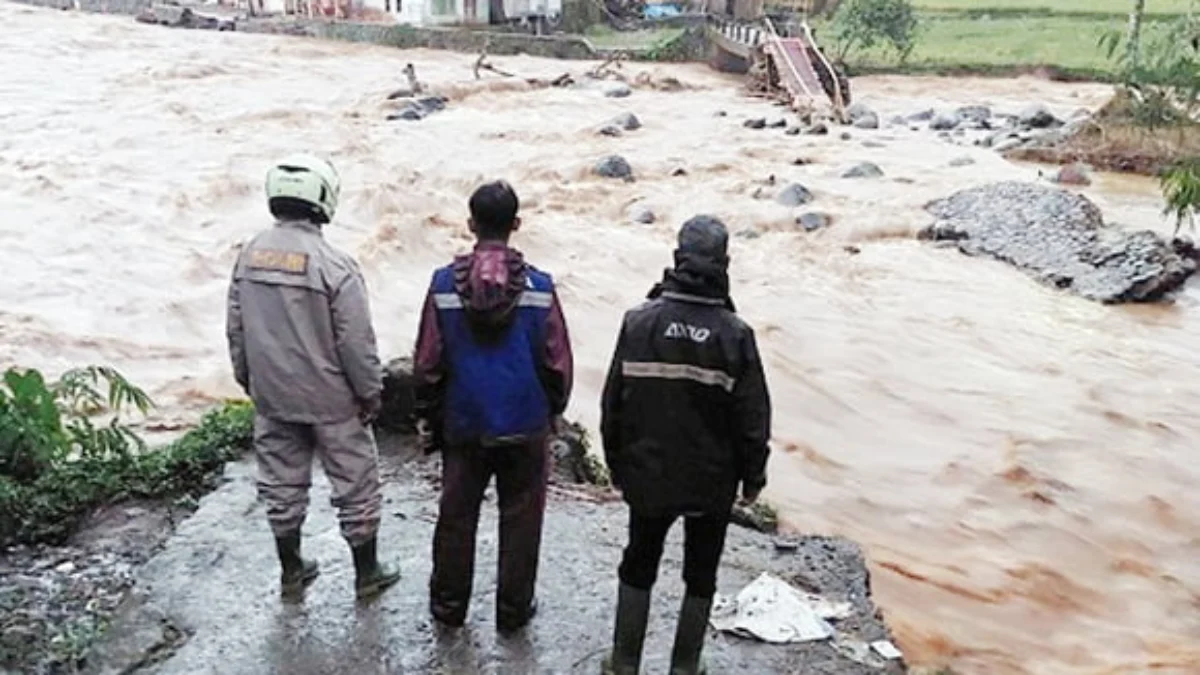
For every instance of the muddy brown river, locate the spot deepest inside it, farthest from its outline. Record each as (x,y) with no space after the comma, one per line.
(1019,464)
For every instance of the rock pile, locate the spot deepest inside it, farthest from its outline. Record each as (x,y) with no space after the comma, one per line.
(1060,238)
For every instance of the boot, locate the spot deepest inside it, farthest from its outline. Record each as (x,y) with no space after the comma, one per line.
(633,610)
(689,636)
(370,577)
(297,572)
(509,621)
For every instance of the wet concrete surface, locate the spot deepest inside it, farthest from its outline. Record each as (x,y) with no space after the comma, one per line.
(208,602)
(1060,237)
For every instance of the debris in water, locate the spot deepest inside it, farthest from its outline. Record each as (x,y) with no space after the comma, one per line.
(420,109)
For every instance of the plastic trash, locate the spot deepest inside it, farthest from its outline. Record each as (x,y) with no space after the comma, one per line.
(771,610)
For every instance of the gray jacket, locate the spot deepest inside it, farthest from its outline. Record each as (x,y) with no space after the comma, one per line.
(299,328)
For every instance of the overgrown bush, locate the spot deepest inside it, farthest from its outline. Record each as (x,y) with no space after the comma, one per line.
(56,464)
(861,25)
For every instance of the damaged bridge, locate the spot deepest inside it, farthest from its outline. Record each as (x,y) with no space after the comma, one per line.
(788,62)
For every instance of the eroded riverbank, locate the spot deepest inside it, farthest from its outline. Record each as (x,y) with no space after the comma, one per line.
(1016,462)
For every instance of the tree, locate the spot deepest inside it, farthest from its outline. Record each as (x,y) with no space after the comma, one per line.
(865,24)
(1135,31)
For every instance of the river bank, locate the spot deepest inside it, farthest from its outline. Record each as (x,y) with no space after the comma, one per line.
(929,403)
(219,571)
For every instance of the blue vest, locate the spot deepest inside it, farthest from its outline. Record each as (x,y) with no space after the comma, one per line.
(494,391)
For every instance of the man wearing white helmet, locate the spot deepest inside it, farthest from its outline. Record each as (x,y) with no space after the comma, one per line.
(302,346)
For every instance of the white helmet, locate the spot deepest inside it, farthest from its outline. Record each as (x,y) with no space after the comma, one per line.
(308,179)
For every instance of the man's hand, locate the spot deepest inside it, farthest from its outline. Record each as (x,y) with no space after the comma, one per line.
(427,440)
(368,410)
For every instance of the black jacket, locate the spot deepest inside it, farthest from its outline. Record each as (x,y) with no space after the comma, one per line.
(685,411)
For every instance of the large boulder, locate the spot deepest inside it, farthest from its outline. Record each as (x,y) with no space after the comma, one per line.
(794,195)
(1038,116)
(1060,238)
(396,413)
(617,90)
(863,170)
(627,121)
(613,166)
(945,122)
(573,463)
(862,117)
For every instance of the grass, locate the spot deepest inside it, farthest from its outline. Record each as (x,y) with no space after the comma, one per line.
(604,37)
(1120,7)
(1006,36)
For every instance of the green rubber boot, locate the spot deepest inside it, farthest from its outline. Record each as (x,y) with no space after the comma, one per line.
(689,637)
(297,573)
(370,577)
(633,611)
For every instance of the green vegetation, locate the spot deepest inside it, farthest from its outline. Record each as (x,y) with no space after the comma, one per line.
(1007,36)
(1181,189)
(605,38)
(1121,7)
(861,25)
(57,463)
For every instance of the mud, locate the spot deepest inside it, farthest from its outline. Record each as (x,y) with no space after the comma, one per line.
(1061,239)
(54,601)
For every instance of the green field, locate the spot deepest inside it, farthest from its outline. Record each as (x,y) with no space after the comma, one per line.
(605,38)
(996,36)
(1121,7)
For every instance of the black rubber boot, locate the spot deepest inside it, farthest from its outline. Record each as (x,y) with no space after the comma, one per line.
(297,573)
(370,577)
(689,636)
(633,611)
(509,621)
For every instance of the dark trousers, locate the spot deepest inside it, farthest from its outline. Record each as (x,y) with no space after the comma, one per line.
(521,476)
(703,543)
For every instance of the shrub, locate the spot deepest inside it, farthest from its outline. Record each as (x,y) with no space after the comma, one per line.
(865,24)
(42,424)
(56,464)
(1181,189)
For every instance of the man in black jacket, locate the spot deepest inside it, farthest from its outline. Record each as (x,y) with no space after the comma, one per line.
(685,421)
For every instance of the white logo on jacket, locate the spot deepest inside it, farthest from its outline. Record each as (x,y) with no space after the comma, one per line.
(679,331)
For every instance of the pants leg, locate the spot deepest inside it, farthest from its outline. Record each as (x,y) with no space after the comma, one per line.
(465,475)
(521,478)
(639,563)
(351,462)
(703,544)
(283,452)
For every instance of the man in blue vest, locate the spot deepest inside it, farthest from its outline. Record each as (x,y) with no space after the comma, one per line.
(493,367)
